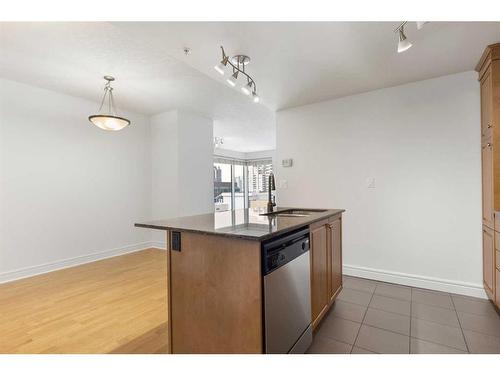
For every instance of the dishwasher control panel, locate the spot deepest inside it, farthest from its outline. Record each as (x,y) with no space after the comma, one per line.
(279,251)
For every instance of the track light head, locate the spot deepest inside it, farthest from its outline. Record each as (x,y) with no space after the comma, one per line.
(255,97)
(247,89)
(220,67)
(403,43)
(233,79)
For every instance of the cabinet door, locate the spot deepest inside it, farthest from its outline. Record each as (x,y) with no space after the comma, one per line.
(489,261)
(486,104)
(319,273)
(335,252)
(487,172)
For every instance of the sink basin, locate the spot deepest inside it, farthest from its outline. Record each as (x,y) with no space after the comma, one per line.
(294,212)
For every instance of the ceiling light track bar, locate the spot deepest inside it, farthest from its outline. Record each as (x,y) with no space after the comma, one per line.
(400,26)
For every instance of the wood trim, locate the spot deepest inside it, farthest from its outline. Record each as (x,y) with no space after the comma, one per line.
(489,261)
(319,319)
(491,53)
(497,294)
(318,224)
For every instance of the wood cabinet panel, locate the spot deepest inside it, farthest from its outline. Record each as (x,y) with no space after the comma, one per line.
(487,182)
(335,254)
(497,257)
(488,68)
(319,273)
(488,261)
(486,104)
(497,293)
(216,295)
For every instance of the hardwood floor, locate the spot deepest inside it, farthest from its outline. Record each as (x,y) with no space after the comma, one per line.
(116,305)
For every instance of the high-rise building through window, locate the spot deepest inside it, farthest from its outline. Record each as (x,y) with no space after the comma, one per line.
(241,183)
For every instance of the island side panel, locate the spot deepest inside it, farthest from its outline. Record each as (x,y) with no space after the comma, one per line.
(216,295)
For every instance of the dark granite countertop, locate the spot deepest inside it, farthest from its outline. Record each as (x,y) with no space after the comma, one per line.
(247,224)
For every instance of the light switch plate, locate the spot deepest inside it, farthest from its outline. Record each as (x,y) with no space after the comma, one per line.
(285,163)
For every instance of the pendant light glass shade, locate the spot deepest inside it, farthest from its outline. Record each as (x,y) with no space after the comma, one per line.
(109,120)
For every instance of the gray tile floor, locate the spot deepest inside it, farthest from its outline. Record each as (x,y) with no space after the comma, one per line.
(376,317)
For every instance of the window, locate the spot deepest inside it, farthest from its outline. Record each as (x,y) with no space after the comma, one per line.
(240,183)
(258,182)
(222,186)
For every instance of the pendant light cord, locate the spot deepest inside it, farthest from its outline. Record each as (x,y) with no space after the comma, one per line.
(108,91)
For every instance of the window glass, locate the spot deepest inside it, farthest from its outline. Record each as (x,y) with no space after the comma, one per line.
(239,187)
(241,184)
(222,187)
(258,180)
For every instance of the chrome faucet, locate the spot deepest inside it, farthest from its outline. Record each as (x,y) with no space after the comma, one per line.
(271,202)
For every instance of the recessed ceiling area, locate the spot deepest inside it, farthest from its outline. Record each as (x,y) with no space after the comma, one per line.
(293,63)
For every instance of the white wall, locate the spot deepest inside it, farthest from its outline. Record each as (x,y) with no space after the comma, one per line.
(182,166)
(68,190)
(164,166)
(70,193)
(195,164)
(421,224)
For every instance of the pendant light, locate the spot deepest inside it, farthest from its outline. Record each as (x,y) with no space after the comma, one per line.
(108,120)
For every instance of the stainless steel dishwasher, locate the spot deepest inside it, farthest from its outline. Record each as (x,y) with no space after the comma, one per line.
(287,293)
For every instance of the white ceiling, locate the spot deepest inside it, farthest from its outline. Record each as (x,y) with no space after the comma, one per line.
(292,63)
(72,58)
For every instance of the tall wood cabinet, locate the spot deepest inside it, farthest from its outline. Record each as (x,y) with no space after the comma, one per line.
(489,78)
(326,265)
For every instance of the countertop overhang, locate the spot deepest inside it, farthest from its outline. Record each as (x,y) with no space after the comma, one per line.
(249,224)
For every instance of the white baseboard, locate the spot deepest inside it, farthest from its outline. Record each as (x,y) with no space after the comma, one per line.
(76,261)
(442,285)
(159,245)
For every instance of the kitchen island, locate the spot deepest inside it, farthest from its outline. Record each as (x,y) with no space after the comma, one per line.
(216,301)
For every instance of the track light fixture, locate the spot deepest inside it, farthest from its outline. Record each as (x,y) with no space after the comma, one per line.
(403,43)
(108,120)
(218,142)
(237,64)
